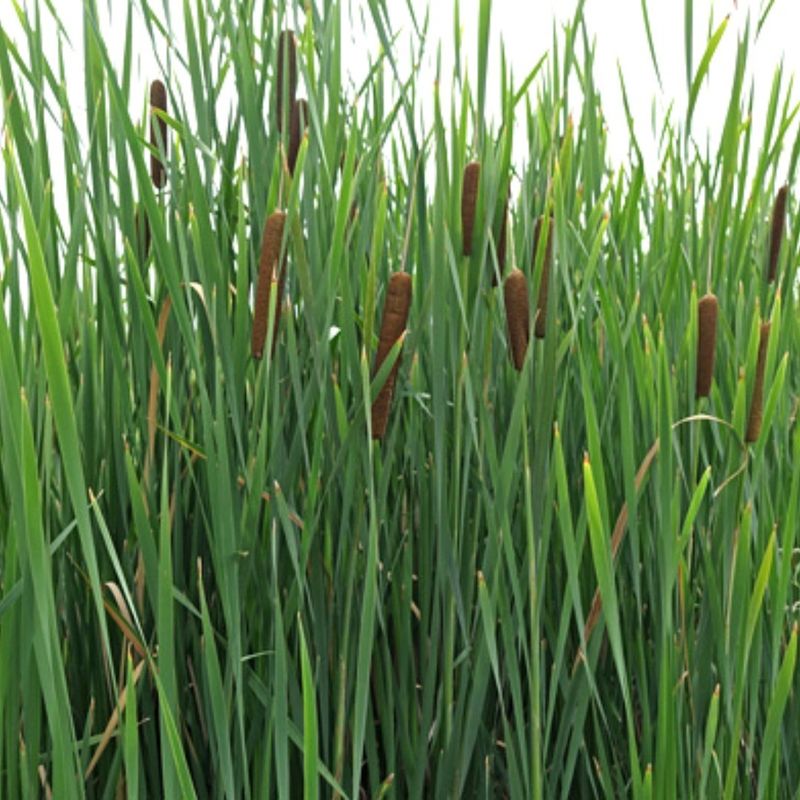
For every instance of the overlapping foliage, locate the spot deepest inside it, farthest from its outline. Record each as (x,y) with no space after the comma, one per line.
(575,579)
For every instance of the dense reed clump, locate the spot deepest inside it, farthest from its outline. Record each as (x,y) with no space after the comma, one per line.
(215,583)
(285,87)
(541,302)
(393,325)
(776,233)
(469,201)
(517,315)
(158,133)
(270,252)
(756,415)
(297,128)
(707,308)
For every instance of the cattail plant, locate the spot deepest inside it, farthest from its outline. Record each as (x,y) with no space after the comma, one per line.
(297,128)
(270,252)
(776,236)
(517,315)
(469,199)
(464,604)
(541,301)
(756,414)
(158,133)
(706,343)
(285,78)
(393,325)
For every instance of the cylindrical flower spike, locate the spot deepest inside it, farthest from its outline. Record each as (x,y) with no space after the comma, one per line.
(756,415)
(270,252)
(776,236)
(707,309)
(517,316)
(393,325)
(469,200)
(158,133)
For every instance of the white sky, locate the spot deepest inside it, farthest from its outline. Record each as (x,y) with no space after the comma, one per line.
(617,27)
(526,27)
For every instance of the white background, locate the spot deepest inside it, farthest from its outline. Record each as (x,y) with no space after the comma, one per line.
(526,28)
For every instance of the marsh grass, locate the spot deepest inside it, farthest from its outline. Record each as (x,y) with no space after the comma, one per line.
(570,579)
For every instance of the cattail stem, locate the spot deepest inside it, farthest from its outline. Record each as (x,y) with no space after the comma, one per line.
(297,129)
(469,200)
(756,415)
(158,133)
(544,281)
(776,236)
(270,252)
(501,243)
(707,309)
(517,316)
(279,302)
(393,325)
(141,226)
(285,78)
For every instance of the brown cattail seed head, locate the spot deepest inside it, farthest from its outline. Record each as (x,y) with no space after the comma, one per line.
(270,252)
(706,343)
(541,302)
(393,325)
(158,133)
(757,400)
(297,128)
(285,78)
(469,200)
(776,237)
(517,316)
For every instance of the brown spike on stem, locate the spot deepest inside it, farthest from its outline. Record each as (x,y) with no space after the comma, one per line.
(297,129)
(757,399)
(270,251)
(517,315)
(393,325)
(541,301)
(707,309)
(469,200)
(287,58)
(158,134)
(776,236)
